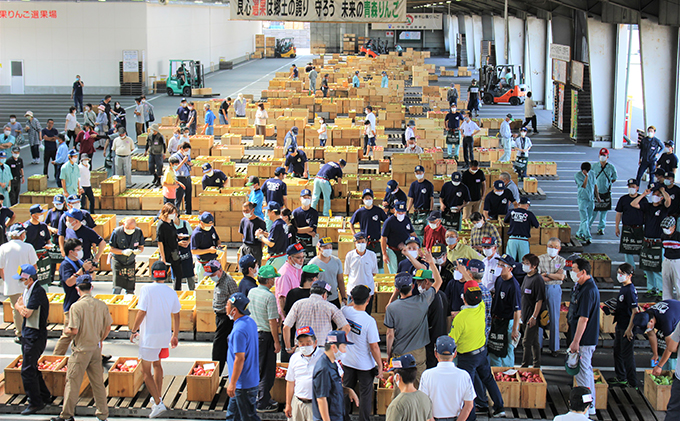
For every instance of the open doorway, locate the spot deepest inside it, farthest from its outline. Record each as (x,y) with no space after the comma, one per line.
(299,32)
(635,118)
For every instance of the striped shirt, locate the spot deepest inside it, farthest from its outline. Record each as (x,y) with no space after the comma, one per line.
(550,265)
(316,313)
(224,288)
(262,307)
(671,245)
(487,230)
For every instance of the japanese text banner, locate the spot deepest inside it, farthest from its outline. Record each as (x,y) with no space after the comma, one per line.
(369,11)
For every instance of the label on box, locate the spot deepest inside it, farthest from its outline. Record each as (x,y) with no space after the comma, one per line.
(510,372)
(131,363)
(210,366)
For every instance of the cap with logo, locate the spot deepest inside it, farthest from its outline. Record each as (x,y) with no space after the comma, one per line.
(654,186)
(403,279)
(524,200)
(419,168)
(423,274)
(16,229)
(304,331)
(207,218)
(291,149)
(475,266)
(73,199)
(438,250)
(295,249)
(240,301)
(159,270)
(632,182)
(402,362)
(412,240)
(75,214)
(305,192)
(25,271)
(488,241)
(391,186)
(273,206)
(59,199)
(212,266)
(279,171)
(604,152)
(456,176)
(434,215)
(342,162)
(499,185)
(507,259)
(367,192)
(312,269)
(669,143)
(72,153)
(268,272)
(445,345)
(84,279)
(400,206)
(523,129)
(337,337)
(324,241)
(206,167)
(360,235)
(37,209)
(321,284)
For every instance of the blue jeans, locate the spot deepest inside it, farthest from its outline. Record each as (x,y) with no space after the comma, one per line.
(553,295)
(509,359)
(477,366)
(209,130)
(223,120)
(449,149)
(517,248)
(644,166)
(242,405)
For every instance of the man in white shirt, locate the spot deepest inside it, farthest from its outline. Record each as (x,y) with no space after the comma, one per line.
(13,254)
(409,132)
(506,138)
(491,269)
(468,129)
(158,319)
(529,113)
(580,400)
(450,389)
(359,363)
(123,146)
(360,267)
(299,376)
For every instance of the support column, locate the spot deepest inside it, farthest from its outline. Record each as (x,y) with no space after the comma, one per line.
(620,80)
(534,57)
(601,57)
(470,41)
(548,87)
(453,36)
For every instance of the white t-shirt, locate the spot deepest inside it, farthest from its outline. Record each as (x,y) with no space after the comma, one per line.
(160,302)
(12,255)
(360,269)
(363,331)
(330,273)
(84,175)
(301,371)
(448,388)
(71,122)
(571,416)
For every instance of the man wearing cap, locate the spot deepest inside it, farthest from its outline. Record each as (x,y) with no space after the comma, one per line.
(633,220)
(182,113)
(396,230)
(361,265)
(409,403)
(414,257)
(322,184)
(331,271)
(523,145)
(580,402)
(369,218)
(249,268)
(299,382)
(156,328)
(584,323)
(16,165)
(521,220)
(491,256)
(434,230)
(85,190)
(605,175)
(505,134)
(650,151)
(275,190)
(34,307)
(212,177)
(290,139)
(412,146)
(276,238)
(668,161)
(437,313)
(204,241)
(89,324)
(406,318)
(37,233)
(444,266)
(658,322)
(183,174)
(673,191)
(496,202)
(297,163)
(72,203)
(155,149)
(452,125)
(551,266)
(291,273)
(362,362)
(264,312)
(420,195)
(250,227)
(453,198)
(256,197)
(448,387)
(306,220)
(468,129)
(13,255)
(409,132)
(76,229)
(587,192)
(456,249)
(475,180)
(393,194)
(123,146)
(224,288)
(327,390)
(533,303)
(506,312)
(7,218)
(126,242)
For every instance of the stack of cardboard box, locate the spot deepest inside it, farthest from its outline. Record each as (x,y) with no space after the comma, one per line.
(259,46)
(270,45)
(349,44)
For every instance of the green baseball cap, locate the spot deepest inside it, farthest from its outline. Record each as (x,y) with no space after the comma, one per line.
(312,269)
(423,274)
(268,271)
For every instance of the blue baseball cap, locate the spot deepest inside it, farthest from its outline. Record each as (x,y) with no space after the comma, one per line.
(445,345)
(403,279)
(367,192)
(342,162)
(273,206)
(412,240)
(498,185)
(16,229)
(295,249)
(400,206)
(240,301)
(59,198)
(488,241)
(291,149)
(3,154)
(82,279)
(402,362)
(360,235)
(76,214)
(247,261)
(305,192)
(507,259)
(337,337)
(207,218)
(475,266)
(391,186)
(206,167)
(37,209)
(26,271)
(279,171)
(72,153)
(324,241)
(434,215)
(524,200)
(319,283)
(419,168)
(304,331)
(73,199)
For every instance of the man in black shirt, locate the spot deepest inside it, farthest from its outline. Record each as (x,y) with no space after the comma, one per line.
(248,266)
(16,164)
(496,202)
(393,194)
(475,180)
(668,161)
(452,199)
(212,177)
(633,219)
(249,226)
(437,312)
(674,192)
(670,267)
(224,111)
(77,94)
(452,126)
(296,161)
(521,221)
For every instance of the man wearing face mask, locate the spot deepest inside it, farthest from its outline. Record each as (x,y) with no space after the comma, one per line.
(16,165)
(76,229)
(452,199)
(674,192)
(306,219)
(533,302)
(183,174)
(437,313)
(632,234)
(322,184)
(5,180)
(452,124)
(182,114)
(155,149)
(396,230)
(291,273)
(71,268)
(299,380)
(412,146)
(605,175)
(650,151)
(506,138)
(492,269)
(444,266)
(469,129)
(520,220)
(331,272)
(624,316)
(551,267)
(506,312)
(670,268)
(414,260)
(35,134)
(192,119)
(668,161)
(297,163)
(72,202)
(369,218)
(496,202)
(651,253)
(6,138)
(276,238)
(458,250)
(482,229)
(248,267)
(475,180)
(393,194)
(251,227)
(256,197)
(420,198)
(587,193)
(290,140)
(434,230)
(361,265)
(37,233)
(126,242)
(15,130)
(204,242)
(327,390)
(123,146)
(275,190)
(212,177)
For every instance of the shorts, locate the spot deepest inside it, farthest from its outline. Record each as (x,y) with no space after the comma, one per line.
(153,354)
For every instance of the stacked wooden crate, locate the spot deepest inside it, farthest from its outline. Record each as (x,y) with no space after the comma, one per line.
(270,45)
(349,44)
(259,46)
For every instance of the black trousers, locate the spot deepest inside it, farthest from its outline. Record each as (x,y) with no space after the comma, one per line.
(531,120)
(430,359)
(624,359)
(35,153)
(86,197)
(34,385)
(223,328)
(48,156)
(177,272)
(350,379)
(468,143)
(184,193)
(267,368)
(14,192)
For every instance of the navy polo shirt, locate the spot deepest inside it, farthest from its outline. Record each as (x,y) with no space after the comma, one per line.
(296,164)
(391,197)
(87,221)
(421,192)
(37,300)
(183,114)
(201,240)
(587,302)
(326,383)
(626,302)
(67,268)
(246,284)
(668,162)
(497,205)
(507,298)
(397,232)
(674,193)
(452,120)
(50,146)
(330,171)
(454,195)
(217,180)
(667,314)
(5,215)
(87,236)
(630,215)
(277,234)
(475,183)
(521,221)
(37,235)
(248,228)
(306,218)
(406,266)
(369,221)
(653,217)
(274,190)
(53,217)
(454,292)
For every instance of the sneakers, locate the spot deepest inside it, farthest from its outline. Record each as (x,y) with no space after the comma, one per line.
(481,410)
(152,401)
(269,408)
(499,413)
(600,232)
(615,381)
(157,410)
(62,419)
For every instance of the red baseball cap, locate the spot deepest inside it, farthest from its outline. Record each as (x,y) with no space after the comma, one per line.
(471,286)
(604,151)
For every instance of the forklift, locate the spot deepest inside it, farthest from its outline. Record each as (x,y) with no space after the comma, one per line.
(285,48)
(503,84)
(369,49)
(184,75)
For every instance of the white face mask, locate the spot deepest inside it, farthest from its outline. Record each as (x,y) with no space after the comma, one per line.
(76,206)
(432,225)
(247,215)
(441,260)
(231,316)
(129,232)
(479,224)
(650,134)
(421,289)
(488,252)
(456,183)
(69,225)
(451,241)
(401,216)
(632,191)
(74,159)
(552,252)
(474,171)
(368,202)
(339,355)
(7,132)
(526,268)
(210,173)
(13,120)
(420,176)
(667,231)
(655,199)
(15,155)
(603,158)
(457,275)
(621,277)
(80,254)
(296,266)
(206,227)
(306,350)
(327,252)
(59,206)
(172,216)
(413,253)
(306,202)
(498,193)
(361,247)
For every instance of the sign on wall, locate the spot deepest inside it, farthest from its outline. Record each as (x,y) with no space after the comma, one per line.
(27,14)
(373,11)
(414,21)
(560,52)
(409,35)
(130,61)
(389,34)
(577,74)
(559,73)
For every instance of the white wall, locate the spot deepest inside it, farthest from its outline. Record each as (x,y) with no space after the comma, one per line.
(499,39)
(601,40)
(535,59)
(478,31)
(516,29)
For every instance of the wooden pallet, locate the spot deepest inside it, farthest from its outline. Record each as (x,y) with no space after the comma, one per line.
(573,246)
(141,273)
(539,195)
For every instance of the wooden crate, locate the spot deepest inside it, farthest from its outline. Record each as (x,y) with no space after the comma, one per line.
(7,315)
(606,322)
(13,383)
(205,320)
(278,391)
(549,232)
(37,183)
(49,376)
(565,234)
(56,308)
(601,390)
(657,395)
(383,400)
(564,324)
(509,390)
(203,388)
(382,299)
(119,312)
(125,384)
(599,268)
(533,395)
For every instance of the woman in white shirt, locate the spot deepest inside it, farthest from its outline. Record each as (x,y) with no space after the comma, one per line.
(260,119)
(71,125)
(85,184)
(323,132)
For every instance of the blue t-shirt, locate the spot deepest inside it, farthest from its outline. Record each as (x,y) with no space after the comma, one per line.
(202,240)
(67,268)
(497,205)
(397,232)
(53,217)
(667,314)
(326,383)
(454,195)
(243,338)
(257,198)
(88,221)
(454,292)
(507,298)
(87,236)
(630,215)
(217,180)
(521,221)
(587,302)
(209,118)
(296,164)
(369,221)
(421,192)
(248,227)
(274,190)
(330,171)
(37,300)
(37,235)
(626,302)
(277,234)
(306,218)
(246,284)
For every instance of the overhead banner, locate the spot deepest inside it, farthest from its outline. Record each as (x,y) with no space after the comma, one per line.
(431,21)
(320,10)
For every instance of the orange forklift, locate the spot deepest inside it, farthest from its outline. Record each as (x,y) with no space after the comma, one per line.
(503,84)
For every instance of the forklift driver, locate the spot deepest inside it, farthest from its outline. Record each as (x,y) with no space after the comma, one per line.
(181,75)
